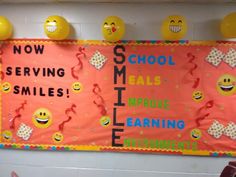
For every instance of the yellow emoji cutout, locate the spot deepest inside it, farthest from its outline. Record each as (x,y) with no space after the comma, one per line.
(42,118)
(174,27)
(105,121)
(196,134)
(228,26)
(7,135)
(6,87)
(113,28)
(5,28)
(226,85)
(57,137)
(197,96)
(77,87)
(56,27)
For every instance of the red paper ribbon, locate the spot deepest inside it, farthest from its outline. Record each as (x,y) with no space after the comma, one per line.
(196,80)
(71,109)
(99,102)
(207,105)
(96,89)
(61,126)
(79,66)
(102,108)
(67,111)
(18,115)
(201,118)
(1,72)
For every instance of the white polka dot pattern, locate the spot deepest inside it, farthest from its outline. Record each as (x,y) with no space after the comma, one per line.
(215,57)
(98,60)
(24,132)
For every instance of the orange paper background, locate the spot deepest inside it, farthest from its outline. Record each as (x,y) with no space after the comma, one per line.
(84,128)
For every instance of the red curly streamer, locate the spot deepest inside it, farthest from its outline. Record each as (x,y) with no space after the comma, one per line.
(101,107)
(71,109)
(67,111)
(2,75)
(196,83)
(18,115)
(99,102)
(79,66)
(191,61)
(96,89)
(197,120)
(207,105)
(61,126)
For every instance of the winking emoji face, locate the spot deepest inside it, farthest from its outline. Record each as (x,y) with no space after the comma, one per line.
(113,28)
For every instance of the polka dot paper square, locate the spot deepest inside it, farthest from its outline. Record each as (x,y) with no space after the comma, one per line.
(98,60)
(24,132)
(215,57)
(230,130)
(216,129)
(230,58)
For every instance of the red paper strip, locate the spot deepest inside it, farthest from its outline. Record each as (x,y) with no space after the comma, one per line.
(79,66)
(196,81)
(207,105)
(61,126)
(201,118)
(18,115)
(100,103)
(67,111)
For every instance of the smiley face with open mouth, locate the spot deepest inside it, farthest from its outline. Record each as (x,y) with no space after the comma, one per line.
(226,85)
(57,137)
(7,135)
(105,121)
(77,87)
(6,87)
(42,118)
(196,134)
(197,96)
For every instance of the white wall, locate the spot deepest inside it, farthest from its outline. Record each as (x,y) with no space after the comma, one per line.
(143,22)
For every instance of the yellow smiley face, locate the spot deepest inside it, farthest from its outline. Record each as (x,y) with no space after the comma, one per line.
(6,87)
(42,118)
(56,27)
(228,25)
(197,96)
(7,135)
(57,137)
(174,27)
(105,121)
(113,28)
(226,85)
(6,28)
(77,87)
(196,134)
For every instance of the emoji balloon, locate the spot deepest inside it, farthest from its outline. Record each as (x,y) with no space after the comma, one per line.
(5,28)
(113,28)
(174,27)
(56,27)
(228,25)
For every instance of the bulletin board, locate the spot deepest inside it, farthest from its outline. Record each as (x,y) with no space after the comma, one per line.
(166,97)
